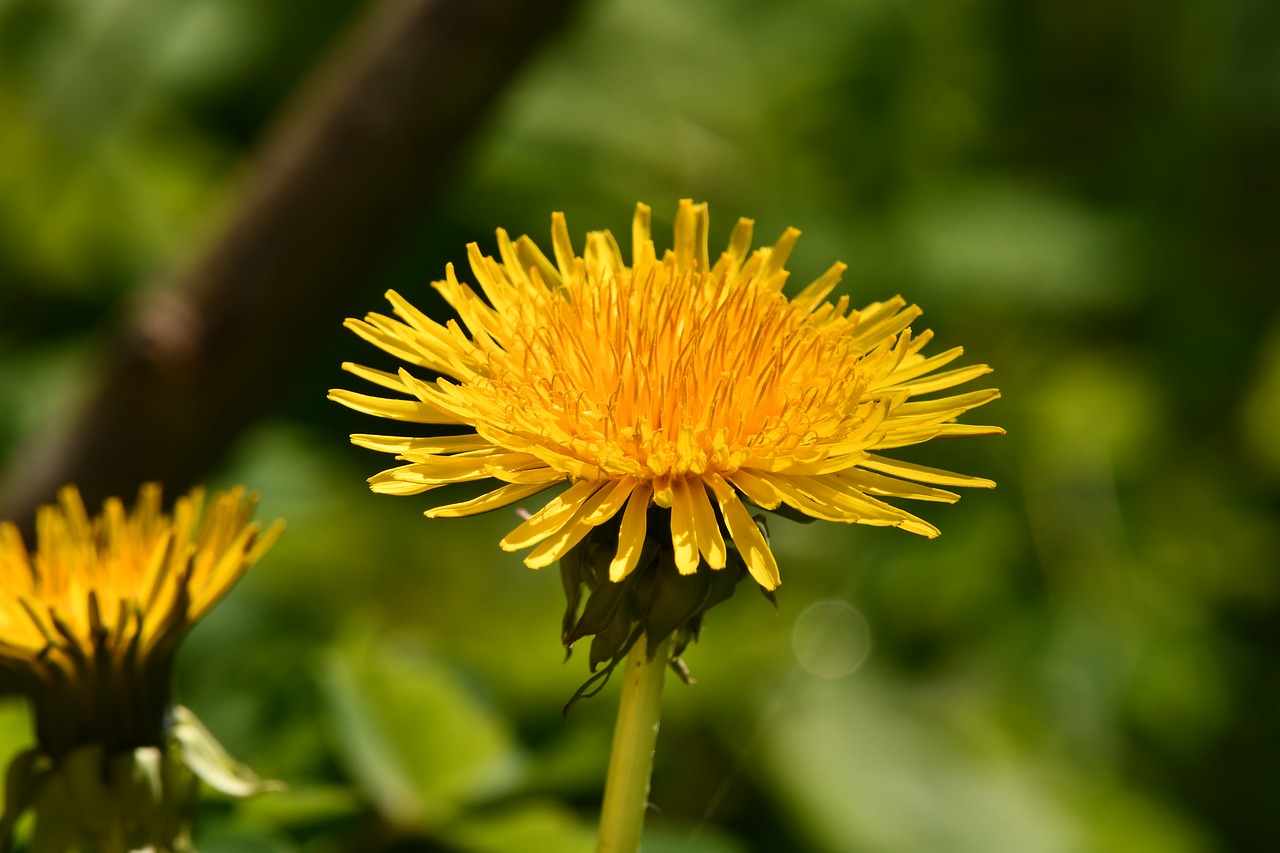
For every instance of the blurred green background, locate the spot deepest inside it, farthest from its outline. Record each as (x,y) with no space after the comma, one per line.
(1083,194)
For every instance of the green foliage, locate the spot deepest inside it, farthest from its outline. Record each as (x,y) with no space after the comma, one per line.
(416,743)
(1080,194)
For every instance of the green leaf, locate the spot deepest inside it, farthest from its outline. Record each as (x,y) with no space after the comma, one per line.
(419,745)
(207,758)
(527,828)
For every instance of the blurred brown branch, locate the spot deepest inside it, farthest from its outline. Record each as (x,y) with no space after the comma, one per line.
(367,145)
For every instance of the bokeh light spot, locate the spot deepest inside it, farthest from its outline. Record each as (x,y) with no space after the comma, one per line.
(831,639)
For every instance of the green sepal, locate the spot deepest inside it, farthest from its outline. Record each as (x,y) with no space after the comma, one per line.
(602,610)
(611,641)
(654,600)
(598,680)
(571,569)
(679,601)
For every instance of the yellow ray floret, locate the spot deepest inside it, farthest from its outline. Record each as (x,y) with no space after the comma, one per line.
(670,380)
(124,585)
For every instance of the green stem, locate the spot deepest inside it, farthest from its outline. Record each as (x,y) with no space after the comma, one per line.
(626,788)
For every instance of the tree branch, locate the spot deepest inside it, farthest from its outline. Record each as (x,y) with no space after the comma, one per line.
(367,145)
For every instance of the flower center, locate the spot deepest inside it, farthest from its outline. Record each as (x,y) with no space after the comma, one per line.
(671,373)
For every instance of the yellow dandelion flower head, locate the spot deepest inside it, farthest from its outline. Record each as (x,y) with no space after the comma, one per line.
(90,619)
(671,380)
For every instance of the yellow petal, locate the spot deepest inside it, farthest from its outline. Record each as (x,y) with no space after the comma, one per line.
(424,445)
(944,408)
(631,533)
(923,473)
(551,517)
(746,535)
(561,246)
(710,540)
(541,270)
(396,410)
(640,234)
(684,531)
(811,297)
(739,246)
(871,483)
(390,381)
(936,381)
(596,510)
(498,498)
(756,487)
(823,498)
(461,468)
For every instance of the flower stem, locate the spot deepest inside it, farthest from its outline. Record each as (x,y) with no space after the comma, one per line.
(626,787)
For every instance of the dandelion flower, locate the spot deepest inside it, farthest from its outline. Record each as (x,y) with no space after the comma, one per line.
(673,381)
(89,623)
